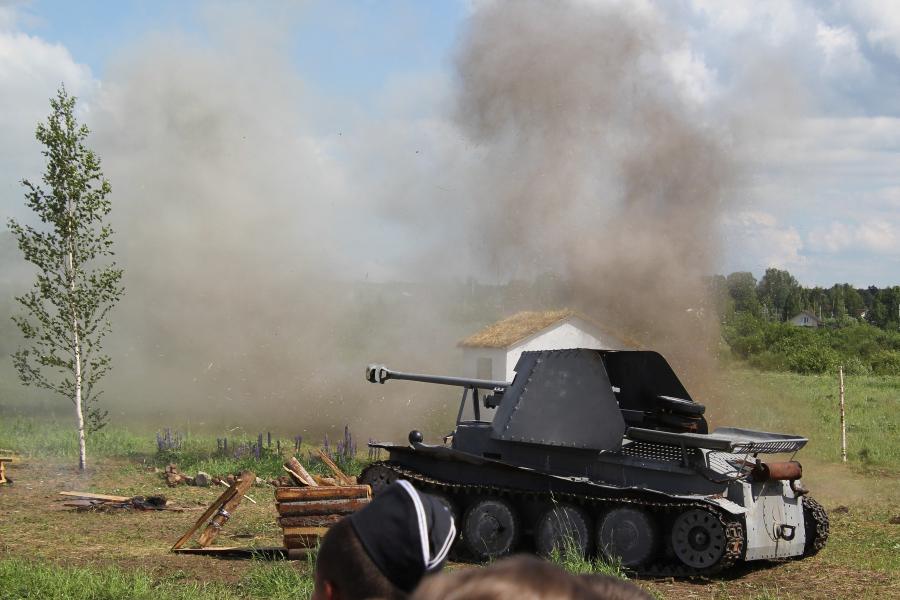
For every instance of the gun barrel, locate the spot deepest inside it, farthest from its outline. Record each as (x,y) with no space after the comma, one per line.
(380,374)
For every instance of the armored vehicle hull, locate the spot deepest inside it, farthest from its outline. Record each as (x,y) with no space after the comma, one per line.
(553,470)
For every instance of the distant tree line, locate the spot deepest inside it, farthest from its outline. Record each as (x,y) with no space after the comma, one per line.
(861,325)
(777,296)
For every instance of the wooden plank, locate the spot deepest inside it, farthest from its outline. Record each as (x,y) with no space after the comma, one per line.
(289,494)
(339,475)
(293,466)
(90,496)
(327,481)
(302,541)
(292,531)
(310,521)
(242,486)
(321,507)
(238,552)
(210,511)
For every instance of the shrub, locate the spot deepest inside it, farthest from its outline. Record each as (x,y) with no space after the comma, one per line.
(812,359)
(854,365)
(886,362)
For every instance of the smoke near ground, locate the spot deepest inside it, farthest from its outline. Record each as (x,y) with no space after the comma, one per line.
(249,211)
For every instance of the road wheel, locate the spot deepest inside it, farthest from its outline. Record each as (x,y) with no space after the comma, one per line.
(490,529)
(698,538)
(563,528)
(627,534)
(378,476)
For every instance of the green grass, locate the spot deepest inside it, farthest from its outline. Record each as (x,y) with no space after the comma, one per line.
(808,405)
(572,560)
(36,437)
(32,436)
(21,579)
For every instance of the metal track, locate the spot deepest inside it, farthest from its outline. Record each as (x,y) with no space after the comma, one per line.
(734,529)
(816,511)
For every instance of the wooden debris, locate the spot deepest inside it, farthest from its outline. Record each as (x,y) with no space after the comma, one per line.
(209,512)
(92,496)
(3,461)
(247,479)
(91,501)
(293,466)
(342,477)
(325,481)
(202,479)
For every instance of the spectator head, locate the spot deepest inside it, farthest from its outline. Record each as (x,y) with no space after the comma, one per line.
(383,550)
(523,578)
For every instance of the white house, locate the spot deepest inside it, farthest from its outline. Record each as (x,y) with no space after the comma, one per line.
(805,319)
(493,352)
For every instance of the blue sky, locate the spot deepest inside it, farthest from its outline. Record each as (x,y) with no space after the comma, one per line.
(819,193)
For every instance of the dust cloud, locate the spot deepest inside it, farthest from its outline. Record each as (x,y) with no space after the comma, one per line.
(243,212)
(597,167)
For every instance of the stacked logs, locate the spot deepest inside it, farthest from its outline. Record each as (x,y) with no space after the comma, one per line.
(306,513)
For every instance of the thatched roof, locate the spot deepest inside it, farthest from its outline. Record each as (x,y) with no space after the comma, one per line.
(507,332)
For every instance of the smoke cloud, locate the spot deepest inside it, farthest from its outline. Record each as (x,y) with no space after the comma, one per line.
(250,211)
(596,166)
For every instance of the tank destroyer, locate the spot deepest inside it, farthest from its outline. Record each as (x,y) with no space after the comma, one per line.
(604,451)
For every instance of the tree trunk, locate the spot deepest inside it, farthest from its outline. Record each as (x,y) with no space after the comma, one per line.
(79,412)
(76,351)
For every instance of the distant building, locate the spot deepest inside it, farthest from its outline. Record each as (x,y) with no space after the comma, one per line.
(805,319)
(493,352)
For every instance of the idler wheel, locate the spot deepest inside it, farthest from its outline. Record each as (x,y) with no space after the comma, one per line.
(378,477)
(698,538)
(627,534)
(563,528)
(490,529)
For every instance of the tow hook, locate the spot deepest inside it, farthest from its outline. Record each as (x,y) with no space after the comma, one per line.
(787,532)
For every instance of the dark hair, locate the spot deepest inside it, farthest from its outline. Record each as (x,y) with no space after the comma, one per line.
(521,577)
(343,561)
(613,588)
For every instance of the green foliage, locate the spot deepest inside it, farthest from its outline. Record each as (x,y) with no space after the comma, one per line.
(886,362)
(770,346)
(23,580)
(66,310)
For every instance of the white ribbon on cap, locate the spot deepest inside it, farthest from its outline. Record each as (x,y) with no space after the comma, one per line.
(430,562)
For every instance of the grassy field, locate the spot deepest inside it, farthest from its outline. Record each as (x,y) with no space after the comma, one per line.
(808,405)
(47,551)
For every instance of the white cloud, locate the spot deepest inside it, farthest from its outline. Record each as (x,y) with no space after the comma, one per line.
(31,69)
(840,48)
(882,23)
(756,240)
(691,74)
(878,237)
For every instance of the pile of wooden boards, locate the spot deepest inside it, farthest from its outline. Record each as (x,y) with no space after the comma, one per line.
(305,512)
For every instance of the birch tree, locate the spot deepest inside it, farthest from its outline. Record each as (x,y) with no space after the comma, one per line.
(77,283)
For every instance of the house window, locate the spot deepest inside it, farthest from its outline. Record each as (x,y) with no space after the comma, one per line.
(484,368)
